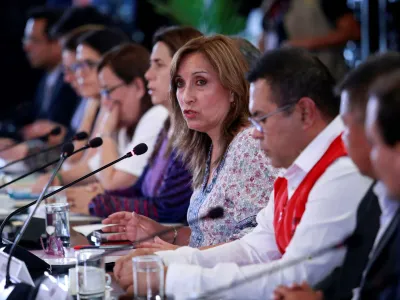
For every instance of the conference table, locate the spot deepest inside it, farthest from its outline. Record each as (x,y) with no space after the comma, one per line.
(7,205)
(78,239)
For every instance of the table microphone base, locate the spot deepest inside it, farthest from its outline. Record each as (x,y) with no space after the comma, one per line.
(19,291)
(34,264)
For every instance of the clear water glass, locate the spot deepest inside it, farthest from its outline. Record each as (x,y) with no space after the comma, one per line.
(57,222)
(91,278)
(148,277)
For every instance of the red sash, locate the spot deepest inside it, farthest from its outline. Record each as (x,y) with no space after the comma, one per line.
(287,214)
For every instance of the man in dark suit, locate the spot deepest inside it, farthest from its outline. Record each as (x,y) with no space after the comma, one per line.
(383,113)
(55,101)
(373,211)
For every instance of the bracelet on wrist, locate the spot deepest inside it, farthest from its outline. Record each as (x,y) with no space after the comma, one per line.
(175,235)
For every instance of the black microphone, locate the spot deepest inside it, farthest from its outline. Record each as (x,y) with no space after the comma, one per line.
(137,150)
(35,265)
(66,152)
(93,143)
(77,137)
(55,131)
(350,241)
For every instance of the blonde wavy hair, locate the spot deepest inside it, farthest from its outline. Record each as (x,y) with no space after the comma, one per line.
(231,67)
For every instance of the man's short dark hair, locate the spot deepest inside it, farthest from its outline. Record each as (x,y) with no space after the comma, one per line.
(51,15)
(79,16)
(294,73)
(386,90)
(359,80)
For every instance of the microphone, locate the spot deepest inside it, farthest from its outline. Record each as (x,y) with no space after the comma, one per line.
(77,137)
(93,143)
(65,153)
(350,241)
(213,214)
(55,131)
(137,150)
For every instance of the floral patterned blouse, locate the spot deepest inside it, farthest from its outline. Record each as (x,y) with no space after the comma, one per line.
(241,184)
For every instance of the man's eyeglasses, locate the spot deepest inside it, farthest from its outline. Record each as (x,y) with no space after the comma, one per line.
(107,92)
(258,121)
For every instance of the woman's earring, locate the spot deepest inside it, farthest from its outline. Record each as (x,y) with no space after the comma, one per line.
(232,99)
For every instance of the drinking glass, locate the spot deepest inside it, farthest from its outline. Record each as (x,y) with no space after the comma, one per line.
(57,221)
(148,277)
(90,274)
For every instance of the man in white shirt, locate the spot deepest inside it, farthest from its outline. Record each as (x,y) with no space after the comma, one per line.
(294,91)
(373,214)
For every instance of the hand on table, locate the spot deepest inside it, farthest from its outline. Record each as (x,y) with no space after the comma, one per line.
(131,226)
(158,245)
(297,292)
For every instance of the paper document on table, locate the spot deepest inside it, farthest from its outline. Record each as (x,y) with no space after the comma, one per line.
(88,229)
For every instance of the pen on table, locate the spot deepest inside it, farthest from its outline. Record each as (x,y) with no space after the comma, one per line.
(105,247)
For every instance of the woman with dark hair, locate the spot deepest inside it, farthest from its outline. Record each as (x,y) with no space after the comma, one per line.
(86,113)
(164,189)
(118,124)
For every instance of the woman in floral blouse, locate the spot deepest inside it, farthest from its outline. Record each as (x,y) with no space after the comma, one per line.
(209,96)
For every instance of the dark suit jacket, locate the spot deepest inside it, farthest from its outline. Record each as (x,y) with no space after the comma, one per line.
(381,268)
(62,105)
(340,283)
(392,291)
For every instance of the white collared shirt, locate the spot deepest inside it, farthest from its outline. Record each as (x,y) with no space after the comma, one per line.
(330,216)
(388,211)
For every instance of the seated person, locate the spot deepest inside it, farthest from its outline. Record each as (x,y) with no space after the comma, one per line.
(314,205)
(55,101)
(163,190)
(85,115)
(366,276)
(125,115)
(212,133)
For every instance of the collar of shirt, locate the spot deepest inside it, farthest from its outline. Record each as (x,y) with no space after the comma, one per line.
(312,154)
(388,206)
(53,75)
